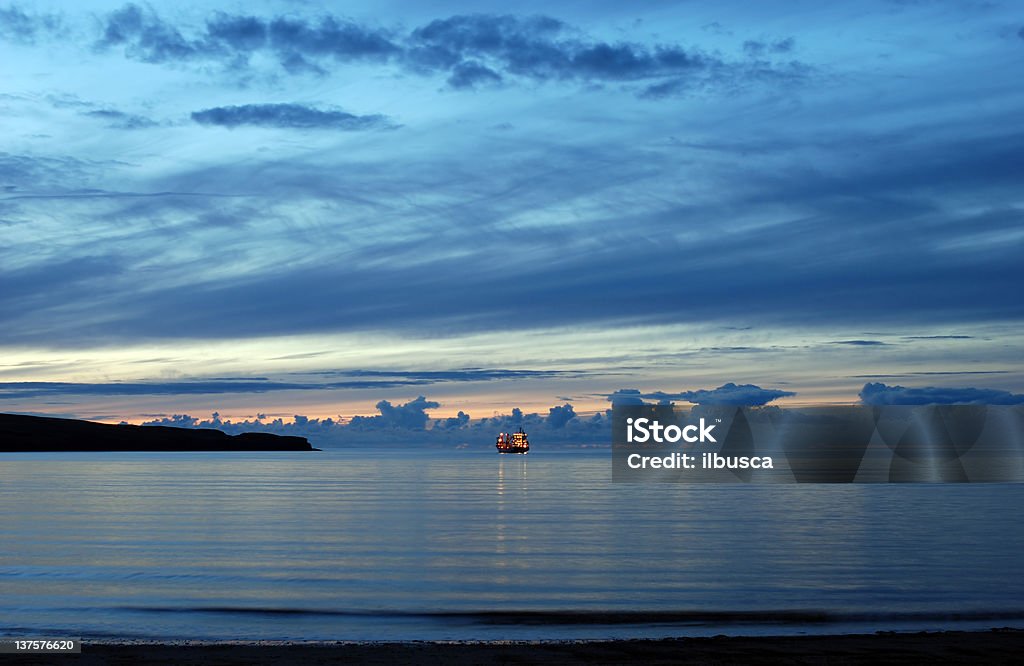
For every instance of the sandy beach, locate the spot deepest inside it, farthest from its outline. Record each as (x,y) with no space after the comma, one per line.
(995,646)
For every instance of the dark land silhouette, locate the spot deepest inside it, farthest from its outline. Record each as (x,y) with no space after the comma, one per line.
(39,433)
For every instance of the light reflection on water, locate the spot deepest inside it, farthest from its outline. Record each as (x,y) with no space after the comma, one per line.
(394,544)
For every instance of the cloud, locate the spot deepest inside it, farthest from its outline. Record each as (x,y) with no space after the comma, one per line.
(28,172)
(626,397)
(341,379)
(859,343)
(409,416)
(879,257)
(241,33)
(405,425)
(331,36)
(121,120)
(932,372)
(538,48)
(458,374)
(472,75)
(291,116)
(801,224)
(938,337)
(19,26)
(146,37)
(558,416)
(233,39)
(755,48)
(733,394)
(21,390)
(881,394)
(453,422)
(470,50)
(726,394)
(315,429)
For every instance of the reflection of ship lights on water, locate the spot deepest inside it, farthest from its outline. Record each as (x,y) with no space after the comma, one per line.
(513,443)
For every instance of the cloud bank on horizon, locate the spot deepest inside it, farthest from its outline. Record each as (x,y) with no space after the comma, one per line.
(643,193)
(411,423)
(876,393)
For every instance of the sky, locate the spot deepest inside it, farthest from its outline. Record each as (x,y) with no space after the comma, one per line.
(285,208)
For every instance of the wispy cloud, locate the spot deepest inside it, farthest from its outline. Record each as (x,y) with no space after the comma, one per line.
(121,120)
(341,379)
(24,27)
(21,390)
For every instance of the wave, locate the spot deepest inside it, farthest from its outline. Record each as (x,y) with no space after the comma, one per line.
(615,617)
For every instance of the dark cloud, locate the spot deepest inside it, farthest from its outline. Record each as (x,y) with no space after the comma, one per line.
(241,33)
(471,51)
(146,37)
(932,372)
(317,430)
(121,120)
(876,232)
(733,394)
(845,255)
(292,116)
(669,88)
(409,416)
(734,78)
(938,337)
(472,75)
(453,422)
(626,397)
(19,26)
(558,416)
(540,48)
(755,48)
(881,394)
(340,39)
(17,390)
(784,45)
(458,375)
(726,394)
(233,39)
(859,343)
(347,379)
(406,424)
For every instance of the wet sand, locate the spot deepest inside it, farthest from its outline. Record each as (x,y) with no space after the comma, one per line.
(995,646)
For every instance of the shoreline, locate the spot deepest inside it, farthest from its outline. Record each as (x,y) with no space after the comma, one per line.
(994,646)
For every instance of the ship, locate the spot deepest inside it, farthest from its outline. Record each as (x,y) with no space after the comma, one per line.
(513,443)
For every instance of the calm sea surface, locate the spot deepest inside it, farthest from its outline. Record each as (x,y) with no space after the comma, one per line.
(347,544)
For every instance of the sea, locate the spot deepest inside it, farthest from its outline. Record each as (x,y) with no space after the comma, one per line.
(414,544)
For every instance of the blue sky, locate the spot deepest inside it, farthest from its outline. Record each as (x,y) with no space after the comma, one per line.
(308,207)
